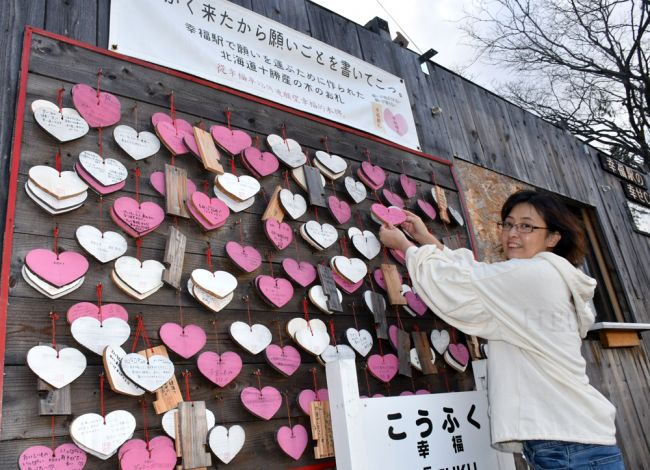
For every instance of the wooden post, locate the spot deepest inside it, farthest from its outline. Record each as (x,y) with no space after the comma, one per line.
(176,191)
(273,208)
(314,186)
(174,256)
(329,288)
(208,151)
(193,434)
(393,284)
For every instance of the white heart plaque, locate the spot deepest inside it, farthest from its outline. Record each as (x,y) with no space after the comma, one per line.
(219,283)
(149,373)
(120,383)
(169,426)
(319,299)
(233,204)
(107,171)
(325,235)
(95,336)
(103,435)
(415,359)
(104,246)
(360,340)
(139,145)
(56,368)
(334,353)
(253,338)
(64,125)
(353,269)
(355,189)
(440,340)
(365,242)
(298,323)
(288,151)
(293,204)
(239,187)
(142,277)
(60,185)
(333,163)
(225,442)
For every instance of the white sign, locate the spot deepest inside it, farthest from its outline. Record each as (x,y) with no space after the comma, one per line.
(640,217)
(233,46)
(429,432)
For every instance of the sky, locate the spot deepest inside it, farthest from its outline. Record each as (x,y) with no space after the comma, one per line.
(429,24)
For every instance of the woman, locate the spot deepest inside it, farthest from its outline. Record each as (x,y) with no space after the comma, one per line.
(533,309)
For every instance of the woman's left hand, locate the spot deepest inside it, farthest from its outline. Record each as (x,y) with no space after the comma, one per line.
(392,237)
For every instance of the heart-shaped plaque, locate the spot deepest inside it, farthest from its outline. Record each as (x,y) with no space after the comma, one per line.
(288,151)
(276,290)
(260,163)
(218,283)
(360,340)
(389,215)
(253,338)
(57,368)
(63,124)
(293,204)
(61,185)
(262,403)
(427,209)
(356,190)
(120,383)
(440,340)
(312,339)
(50,203)
(279,233)
(158,441)
(303,272)
(172,135)
(225,442)
(107,171)
(245,257)
(138,145)
(284,359)
(409,186)
(65,457)
(292,440)
(334,353)
(339,209)
(353,269)
(150,373)
(220,369)
(345,285)
(57,269)
(332,163)
(324,235)
(415,359)
(232,203)
(307,396)
(210,213)
(98,108)
(373,173)
(88,309)
(185,340)
(383,367)
(365,242)
(163,458)
(241,187)
(103,246)
(392,199)
(141,218)
(319,299)
(232,141)
(95,335)
(457,356)
(143,277)
(102,435)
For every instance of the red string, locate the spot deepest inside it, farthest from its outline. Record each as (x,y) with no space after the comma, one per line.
(208,255)
(53,448)
(366,153)
(304,310)
(271,264)
(241,232)
(216,337)
(232,167)
(385,254)
(359,220)
(99,288)
(280,335)
(143,404)
(206,187)
(316,214)
(138,246)
(54,317)
(354,315)
(283,128)
(365,370)
(101,394)
(453,335)
(101,214)
(99,142)
(248,311)
(186,375)
(136,337)
(258,374)
(59,98)
(228,118)
(57,161)
(313,375)
(257,142)
(324,141)
(99,79)
(381,348)
(444,374)
(295,242)
(55,232)
(372,284)
(172,109)
(286,179)
(137,184)
(180,310)
(286,401)
(135,114)
(332,332)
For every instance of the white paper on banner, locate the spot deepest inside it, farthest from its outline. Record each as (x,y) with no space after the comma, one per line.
(435,431)
(233,46)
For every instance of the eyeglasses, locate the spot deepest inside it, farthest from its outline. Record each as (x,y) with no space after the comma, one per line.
(521,228)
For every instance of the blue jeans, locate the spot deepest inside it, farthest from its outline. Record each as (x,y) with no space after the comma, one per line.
(559,455)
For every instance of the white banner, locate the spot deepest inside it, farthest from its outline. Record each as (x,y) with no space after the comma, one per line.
(233,46)
(437,431)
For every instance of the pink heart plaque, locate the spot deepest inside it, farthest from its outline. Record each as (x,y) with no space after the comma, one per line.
(285,359)
(280,234)
(427,208)
(416,303)
(365,180)
(396,122)
(96,185)
(185,341)
(246,257)
(88,309)
(459,353)
(58,270)
(293,441)
(390,215)
(192,146)
(399,256)
(262,403)
(276,290)
(346,285)
(392,336)
(99,110)
(392,199)
(340,209)
(421,391)
(66,457)
(181,124)
(172,138)
(409,186)
(213,211)
(383,367)
(302,273)
(232,141)
(308,395)
(159,458)
(374,173)
(141,218)
(220,369)
(260,163)
(158,441)
(157,180)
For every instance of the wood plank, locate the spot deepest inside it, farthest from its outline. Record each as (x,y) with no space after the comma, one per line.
(274,209)
(208,151)
(176,191)
(174,256)
(316,190)
(169,395)
(329,288)
(193,429)
(404,352)
(321,429)
(393,282)
(421,342)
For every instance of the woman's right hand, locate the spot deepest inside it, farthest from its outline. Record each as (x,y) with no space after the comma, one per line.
(416,228)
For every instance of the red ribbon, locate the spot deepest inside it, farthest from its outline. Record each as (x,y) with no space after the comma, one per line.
(57,161)
(54,317)
(137,184)
(208,255)
(59,98)
(55,232)
(332,332)
(145,427)
(99,79)
(228,118)
(101,394)
(186,375)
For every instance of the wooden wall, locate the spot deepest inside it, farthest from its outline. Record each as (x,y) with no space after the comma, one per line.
(475,126)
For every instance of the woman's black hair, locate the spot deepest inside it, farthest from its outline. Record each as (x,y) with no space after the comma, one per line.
(558,218)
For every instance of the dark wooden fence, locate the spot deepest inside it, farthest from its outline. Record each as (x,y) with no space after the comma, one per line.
(475,125)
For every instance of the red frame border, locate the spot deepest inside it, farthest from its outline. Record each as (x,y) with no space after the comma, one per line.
(17,145)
